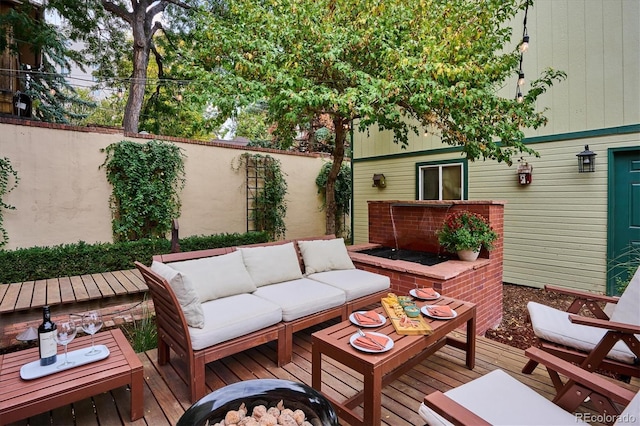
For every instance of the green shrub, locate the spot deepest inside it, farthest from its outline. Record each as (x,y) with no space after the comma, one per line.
(37,263)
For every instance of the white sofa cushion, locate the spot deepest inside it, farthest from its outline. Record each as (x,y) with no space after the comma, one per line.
(271,264)
(217,276)
(234,316)
(184,291)
(324,255)
(354,282)
(626,310)
(301,297)
(553,325)
(502,400)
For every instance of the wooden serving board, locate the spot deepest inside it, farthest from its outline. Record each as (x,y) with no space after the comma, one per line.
(420,326)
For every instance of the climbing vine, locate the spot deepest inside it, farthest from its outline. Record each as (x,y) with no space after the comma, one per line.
(342,191)
(8,181)
(268,205)
(146,179)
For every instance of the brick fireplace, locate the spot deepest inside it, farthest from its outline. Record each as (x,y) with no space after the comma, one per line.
(412,225)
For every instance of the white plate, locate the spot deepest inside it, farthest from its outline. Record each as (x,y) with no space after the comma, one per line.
(387,347)
(425,311)
(414,294)
(353,319)
(34,370)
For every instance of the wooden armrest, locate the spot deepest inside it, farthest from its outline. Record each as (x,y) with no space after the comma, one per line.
(609,325)
(451,410)
(590,380)
(582,294)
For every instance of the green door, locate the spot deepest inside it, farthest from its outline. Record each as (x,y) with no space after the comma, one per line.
(624,214)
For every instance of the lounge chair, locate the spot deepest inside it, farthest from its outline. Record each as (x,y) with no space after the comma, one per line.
(600,343)
(498,399)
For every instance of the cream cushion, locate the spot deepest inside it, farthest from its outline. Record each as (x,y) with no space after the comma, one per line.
(502,400)
(233,316)
(626,310)
(271,264)
(217,276)
(185,293)
(324,255)
(554,326)
(354,282)
(301,297)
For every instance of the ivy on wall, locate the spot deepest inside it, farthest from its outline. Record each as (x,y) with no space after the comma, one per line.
(8,182)
(342,190)
(266,191)
(146,179)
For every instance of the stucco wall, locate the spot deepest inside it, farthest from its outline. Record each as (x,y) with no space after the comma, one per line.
(63,195)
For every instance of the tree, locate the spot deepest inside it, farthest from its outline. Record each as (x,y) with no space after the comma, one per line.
(403,65)
(105,25)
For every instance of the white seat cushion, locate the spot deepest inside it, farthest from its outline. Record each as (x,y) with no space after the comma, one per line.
(502,400)
(271,264)
(626,310)
(631,414)
(217,276)
(324,255)
(233,316)
(354,282)
(184,291)
(553,325)
(301,297)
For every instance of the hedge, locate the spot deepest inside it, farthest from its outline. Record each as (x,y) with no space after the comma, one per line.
(37,263)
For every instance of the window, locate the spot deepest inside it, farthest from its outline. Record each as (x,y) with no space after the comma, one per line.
(441,182)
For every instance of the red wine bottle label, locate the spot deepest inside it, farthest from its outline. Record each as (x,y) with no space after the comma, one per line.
(48,346)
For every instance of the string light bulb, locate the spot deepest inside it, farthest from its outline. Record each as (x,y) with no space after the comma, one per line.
(519,97)
(524,46)
(521,78)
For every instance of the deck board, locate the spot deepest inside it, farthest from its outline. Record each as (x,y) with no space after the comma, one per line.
(166,393)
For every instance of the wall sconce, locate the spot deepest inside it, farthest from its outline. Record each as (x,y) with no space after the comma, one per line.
(379,180)
(525,172)
(586,160)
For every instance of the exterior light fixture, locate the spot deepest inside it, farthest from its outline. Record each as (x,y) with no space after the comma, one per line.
(379,180)
(525,172)
(519,96)
(520,78)
(586,160)
(524,46)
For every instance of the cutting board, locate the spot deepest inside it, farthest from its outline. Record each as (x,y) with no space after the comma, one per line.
(418,327)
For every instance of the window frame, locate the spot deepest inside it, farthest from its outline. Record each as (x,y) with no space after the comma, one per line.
(440,164)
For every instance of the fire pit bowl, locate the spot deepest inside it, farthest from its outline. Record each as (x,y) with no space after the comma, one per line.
(268,392)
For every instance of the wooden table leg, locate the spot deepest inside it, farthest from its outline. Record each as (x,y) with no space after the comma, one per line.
(372,397)
(137,394)
(471,342)
(316,367)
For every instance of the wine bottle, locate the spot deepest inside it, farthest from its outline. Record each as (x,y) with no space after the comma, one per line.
(46,341)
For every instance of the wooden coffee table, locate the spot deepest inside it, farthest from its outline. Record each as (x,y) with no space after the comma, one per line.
(379,369)
(20,398)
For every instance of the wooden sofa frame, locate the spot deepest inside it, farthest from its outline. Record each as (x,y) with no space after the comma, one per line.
(173,332)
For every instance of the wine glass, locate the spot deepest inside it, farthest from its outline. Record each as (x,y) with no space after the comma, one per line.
(64,334)
(91,323)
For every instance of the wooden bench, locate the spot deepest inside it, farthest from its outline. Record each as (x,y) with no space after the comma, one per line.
(23,302)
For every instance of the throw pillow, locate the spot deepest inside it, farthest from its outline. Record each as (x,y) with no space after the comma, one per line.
(217,276)
(272,264)
(324,255)
(186,295)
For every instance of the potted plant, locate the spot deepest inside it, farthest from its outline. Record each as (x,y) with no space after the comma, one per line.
(464,233)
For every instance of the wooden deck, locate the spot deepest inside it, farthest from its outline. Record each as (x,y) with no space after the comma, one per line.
(23,302)
(166,393)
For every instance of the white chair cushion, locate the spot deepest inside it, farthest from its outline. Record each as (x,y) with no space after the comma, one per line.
(184,291)
(234,316)
(502,400)
(301,297)
(354,282)
(553,325)
(631,414)
(626,310)
(324,255)
(271,264)
(217,276)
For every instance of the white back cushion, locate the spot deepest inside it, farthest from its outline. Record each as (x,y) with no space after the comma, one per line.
(324,255)
(271,264)
(217,276)
(184,291)
(627,310)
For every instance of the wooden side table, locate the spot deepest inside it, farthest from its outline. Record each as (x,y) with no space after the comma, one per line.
(20,398)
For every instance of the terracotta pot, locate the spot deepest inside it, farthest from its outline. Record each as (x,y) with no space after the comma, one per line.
(469,255)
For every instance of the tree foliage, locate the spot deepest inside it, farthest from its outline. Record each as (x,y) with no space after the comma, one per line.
(401,65)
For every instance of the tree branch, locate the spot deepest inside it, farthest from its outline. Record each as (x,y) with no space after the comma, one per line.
(179,3)
(156,26)
(117,10)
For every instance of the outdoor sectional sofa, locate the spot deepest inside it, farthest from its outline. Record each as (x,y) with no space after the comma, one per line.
(213,303)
